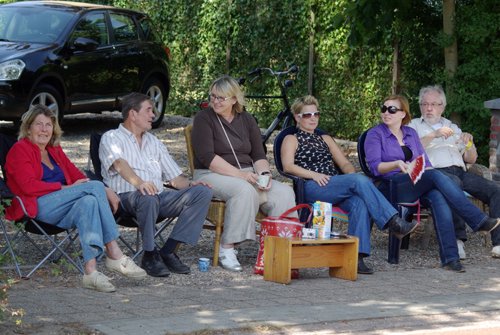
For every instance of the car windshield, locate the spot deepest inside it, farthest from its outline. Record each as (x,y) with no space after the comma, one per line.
(32,25)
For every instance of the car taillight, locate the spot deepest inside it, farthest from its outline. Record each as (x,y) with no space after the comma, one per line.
(167,51)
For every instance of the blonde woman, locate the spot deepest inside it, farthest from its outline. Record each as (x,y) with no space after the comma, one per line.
(229,156)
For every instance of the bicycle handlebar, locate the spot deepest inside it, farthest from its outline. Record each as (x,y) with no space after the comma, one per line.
(258,71)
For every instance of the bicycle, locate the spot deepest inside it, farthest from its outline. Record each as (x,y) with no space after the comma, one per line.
(284,80)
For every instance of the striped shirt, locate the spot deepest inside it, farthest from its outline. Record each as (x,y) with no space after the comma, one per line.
(151,162)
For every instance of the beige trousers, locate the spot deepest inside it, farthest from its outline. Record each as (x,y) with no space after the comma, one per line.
(243,203)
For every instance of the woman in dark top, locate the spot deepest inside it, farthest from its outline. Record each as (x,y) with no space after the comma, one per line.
(315,157)
(390,147)
(54,191)
(230,157)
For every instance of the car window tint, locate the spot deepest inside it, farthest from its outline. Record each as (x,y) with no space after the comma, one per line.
(92,26)
(148,30)
(124,28)
(32,24)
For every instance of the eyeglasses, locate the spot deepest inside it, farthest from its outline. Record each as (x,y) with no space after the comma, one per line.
(309,115)
(433,105)
(390,109)
(217,98)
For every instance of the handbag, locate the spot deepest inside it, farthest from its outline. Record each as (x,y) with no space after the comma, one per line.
(282,226)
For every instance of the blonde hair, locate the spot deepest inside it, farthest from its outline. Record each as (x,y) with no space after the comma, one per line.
(306,100)
(229,87)
(405,106)
(29,117)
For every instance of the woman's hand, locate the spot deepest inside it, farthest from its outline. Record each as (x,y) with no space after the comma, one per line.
(321,179)
(78,182)
(402,166)
(113,199)
(248,176)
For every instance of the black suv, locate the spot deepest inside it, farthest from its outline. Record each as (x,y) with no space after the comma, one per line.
(78,58)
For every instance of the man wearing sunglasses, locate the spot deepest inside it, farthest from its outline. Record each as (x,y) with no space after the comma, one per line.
(449,149)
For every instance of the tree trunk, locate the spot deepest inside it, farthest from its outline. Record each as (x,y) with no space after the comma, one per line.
(310,70)
(396,67)
(451,50)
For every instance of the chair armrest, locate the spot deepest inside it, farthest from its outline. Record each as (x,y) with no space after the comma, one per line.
(480,170)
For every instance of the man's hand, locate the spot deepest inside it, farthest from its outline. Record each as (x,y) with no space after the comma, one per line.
(147,188)
(443,132)
(466,137)
(113,199)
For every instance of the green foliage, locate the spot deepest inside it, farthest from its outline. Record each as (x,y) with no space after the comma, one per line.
(353,46)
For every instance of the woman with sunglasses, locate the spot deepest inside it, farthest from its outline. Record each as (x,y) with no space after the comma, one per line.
(229,156)
(332,178)
(390,147)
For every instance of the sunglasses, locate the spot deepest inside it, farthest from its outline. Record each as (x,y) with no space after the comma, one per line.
(390,109)
(309,115)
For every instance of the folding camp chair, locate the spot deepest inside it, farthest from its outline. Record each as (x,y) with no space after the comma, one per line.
(23,230)
(122,218)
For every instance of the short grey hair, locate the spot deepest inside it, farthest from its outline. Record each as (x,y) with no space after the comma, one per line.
(432,88)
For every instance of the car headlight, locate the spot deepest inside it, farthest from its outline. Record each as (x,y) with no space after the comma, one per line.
(12,69)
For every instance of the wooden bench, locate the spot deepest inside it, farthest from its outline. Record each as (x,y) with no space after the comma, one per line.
(281,255)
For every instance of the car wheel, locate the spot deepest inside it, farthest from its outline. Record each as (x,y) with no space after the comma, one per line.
(48,96)
(156,91)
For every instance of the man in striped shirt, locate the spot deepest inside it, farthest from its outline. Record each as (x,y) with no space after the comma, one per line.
(135,164)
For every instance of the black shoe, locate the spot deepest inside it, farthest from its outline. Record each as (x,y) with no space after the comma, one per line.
(153,264)
(174,264)
(454,266)
(489,225)
(400,228)
(362,268)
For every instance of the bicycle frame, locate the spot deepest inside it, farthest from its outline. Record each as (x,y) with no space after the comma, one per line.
(285,114)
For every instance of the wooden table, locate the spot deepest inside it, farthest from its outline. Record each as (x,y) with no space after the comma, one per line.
(281,255)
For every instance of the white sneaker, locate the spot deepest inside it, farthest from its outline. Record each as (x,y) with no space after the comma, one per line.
(97,281)
(126,267)
(228,259)
(461,250)
(495,251)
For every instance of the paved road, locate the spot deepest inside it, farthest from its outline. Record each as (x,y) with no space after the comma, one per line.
(417,301)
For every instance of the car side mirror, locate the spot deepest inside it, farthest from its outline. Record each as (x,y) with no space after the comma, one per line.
(85,44)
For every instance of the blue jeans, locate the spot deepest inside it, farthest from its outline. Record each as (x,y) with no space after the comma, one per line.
(84,206)
(442,195)
(483,189)
(357,195)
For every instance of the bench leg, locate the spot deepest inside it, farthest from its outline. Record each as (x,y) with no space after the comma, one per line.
(349,268)
(277,260)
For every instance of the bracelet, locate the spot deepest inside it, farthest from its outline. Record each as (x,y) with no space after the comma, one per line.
(265,173)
